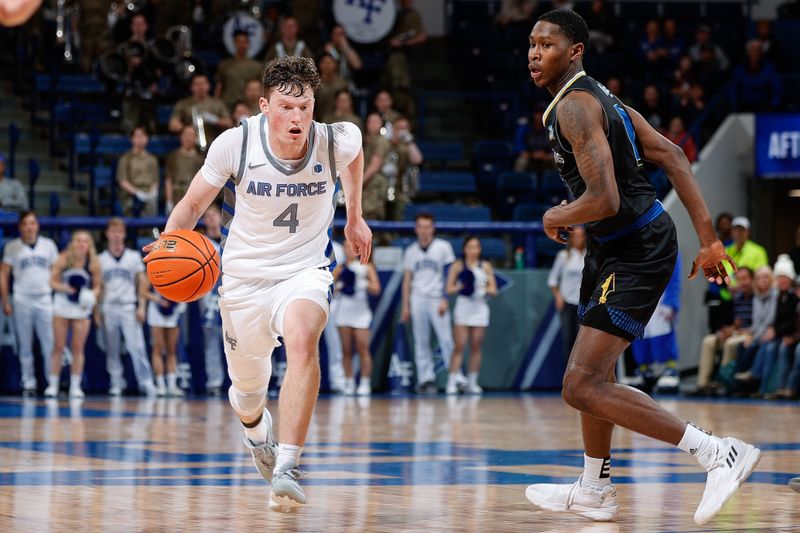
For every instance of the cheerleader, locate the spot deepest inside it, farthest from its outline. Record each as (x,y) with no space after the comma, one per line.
(353,316)
(75,278)
(163,316)
(473,280)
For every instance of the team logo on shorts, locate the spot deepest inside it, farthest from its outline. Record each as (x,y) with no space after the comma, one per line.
(609,286)
(230,340)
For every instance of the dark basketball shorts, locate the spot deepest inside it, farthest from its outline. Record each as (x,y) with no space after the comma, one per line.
(623,279)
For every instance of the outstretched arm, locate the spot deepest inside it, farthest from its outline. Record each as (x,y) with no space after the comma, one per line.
(671,158)
(356,231)
(580,120)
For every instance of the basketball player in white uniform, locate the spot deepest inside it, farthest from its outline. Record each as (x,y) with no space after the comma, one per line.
(209,311)
(354,281)
(279,171)
(29,258)
(121,316)
(75,278)
(472,279)
(424,299)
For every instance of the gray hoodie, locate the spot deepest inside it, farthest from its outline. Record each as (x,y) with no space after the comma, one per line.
(764,306)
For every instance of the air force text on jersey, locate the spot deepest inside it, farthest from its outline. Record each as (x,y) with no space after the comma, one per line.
(262,188)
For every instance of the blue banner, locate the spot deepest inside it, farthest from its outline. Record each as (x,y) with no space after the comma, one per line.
(777,146)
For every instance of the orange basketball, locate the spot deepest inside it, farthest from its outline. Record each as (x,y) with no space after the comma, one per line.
(183,266)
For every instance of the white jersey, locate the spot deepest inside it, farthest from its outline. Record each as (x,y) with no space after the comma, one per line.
(277,214)
(119,276)
(30,265)
(427,267)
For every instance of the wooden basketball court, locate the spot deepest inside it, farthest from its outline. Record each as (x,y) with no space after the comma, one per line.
(379,464)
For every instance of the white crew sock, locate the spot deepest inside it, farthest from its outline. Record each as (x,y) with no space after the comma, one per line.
(365,382)
(473,379)
(596,472)
(257,434)
(701,445)
(452,378)
(160,381)
(172,381)
(286,453)
(53,380)
(75,381)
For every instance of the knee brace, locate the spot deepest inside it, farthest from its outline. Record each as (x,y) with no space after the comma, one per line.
(250,381)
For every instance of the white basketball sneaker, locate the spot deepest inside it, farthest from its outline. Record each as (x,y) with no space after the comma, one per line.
(264,454)
(734,462)
(794,484)
(598,505)
(287,494)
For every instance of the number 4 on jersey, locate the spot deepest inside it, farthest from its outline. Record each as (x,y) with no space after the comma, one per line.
(288,219)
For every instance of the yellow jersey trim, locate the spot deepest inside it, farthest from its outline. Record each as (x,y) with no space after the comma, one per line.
(559,94)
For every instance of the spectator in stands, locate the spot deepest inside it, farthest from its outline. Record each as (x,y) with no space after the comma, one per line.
(309,17)
(253,90)
(682,78)
(615,87)
(402,167)
(673,44)
(376,148)
(677,133)
(532,145)
(239,111)
(703,37)
(423,298)
(794,253)
(718,299)
(781,335)
(12,194)
(183,163)
(384,106)
(234,72)
(743,251)
(693,104)
(408,33)
(95,35)
(209,311)
(163,317)
(755,86)
(724,227)
(652,52)
(200,105)
(348,58)
(332,83)
(729,336)
(708,70)
(75,278)
(141,81)
(771,47)
(565,282)
(289,44)
(514,11)
(600,19)
(653,109)
(137,176)
(343,112)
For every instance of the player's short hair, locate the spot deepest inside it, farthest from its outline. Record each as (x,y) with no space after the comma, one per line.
(25,214)
(424,215)
(572,25)
(291,76)
(115,222)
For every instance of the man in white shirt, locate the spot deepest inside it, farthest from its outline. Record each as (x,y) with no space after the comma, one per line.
(425,301)
(279,172)
(12,194)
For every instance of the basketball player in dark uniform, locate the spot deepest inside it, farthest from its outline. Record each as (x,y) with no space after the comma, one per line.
(599,146)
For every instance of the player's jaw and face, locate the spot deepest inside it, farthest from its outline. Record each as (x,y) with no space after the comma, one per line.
(289,121)
(549,55)
(29,229)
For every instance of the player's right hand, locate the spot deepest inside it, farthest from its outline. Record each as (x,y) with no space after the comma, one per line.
(7,308)
(712,259)
(360,236)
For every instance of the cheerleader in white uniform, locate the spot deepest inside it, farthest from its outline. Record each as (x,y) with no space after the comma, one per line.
(353,317)
(473,280)
(163,317)
(75,279)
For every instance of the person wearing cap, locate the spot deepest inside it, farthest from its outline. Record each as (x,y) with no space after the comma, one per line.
(703,37)
(12,194)
(743,251)
(781,336)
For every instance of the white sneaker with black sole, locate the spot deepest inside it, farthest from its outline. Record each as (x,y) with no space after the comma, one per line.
(588,502)
(264,454)
(734,462)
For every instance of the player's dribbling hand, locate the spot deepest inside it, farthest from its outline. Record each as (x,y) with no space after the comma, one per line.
(555,232)
(712,259)
(360,236)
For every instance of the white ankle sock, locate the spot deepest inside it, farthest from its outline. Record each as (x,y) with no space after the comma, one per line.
(452,378)
(287,452)
(596,472)
(698,443)
(75,381)
(160,381)
(53,380)
(172,381)
(257,434)
(473,379)
(365,382)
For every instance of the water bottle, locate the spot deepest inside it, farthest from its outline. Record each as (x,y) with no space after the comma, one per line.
(519,258)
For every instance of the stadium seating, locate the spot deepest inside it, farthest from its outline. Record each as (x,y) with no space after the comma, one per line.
(450,212)
(446,182)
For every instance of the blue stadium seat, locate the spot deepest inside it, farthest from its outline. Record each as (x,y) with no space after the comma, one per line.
(551,187)
(113,144)
(530,211)
(491,247)
(517,182)
(163,113)
(546,250)
(161,145)
(441,152)
(449,212)
(447,182)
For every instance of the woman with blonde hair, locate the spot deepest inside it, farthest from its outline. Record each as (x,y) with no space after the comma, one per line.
(75,278)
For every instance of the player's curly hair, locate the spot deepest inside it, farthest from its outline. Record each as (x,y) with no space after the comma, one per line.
(572,25)
(291,76)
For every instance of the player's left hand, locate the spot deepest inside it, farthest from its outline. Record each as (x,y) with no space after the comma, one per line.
(553,231)
(360,236)
(712,259)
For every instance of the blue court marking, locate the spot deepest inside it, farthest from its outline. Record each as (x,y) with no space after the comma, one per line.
(452,464)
